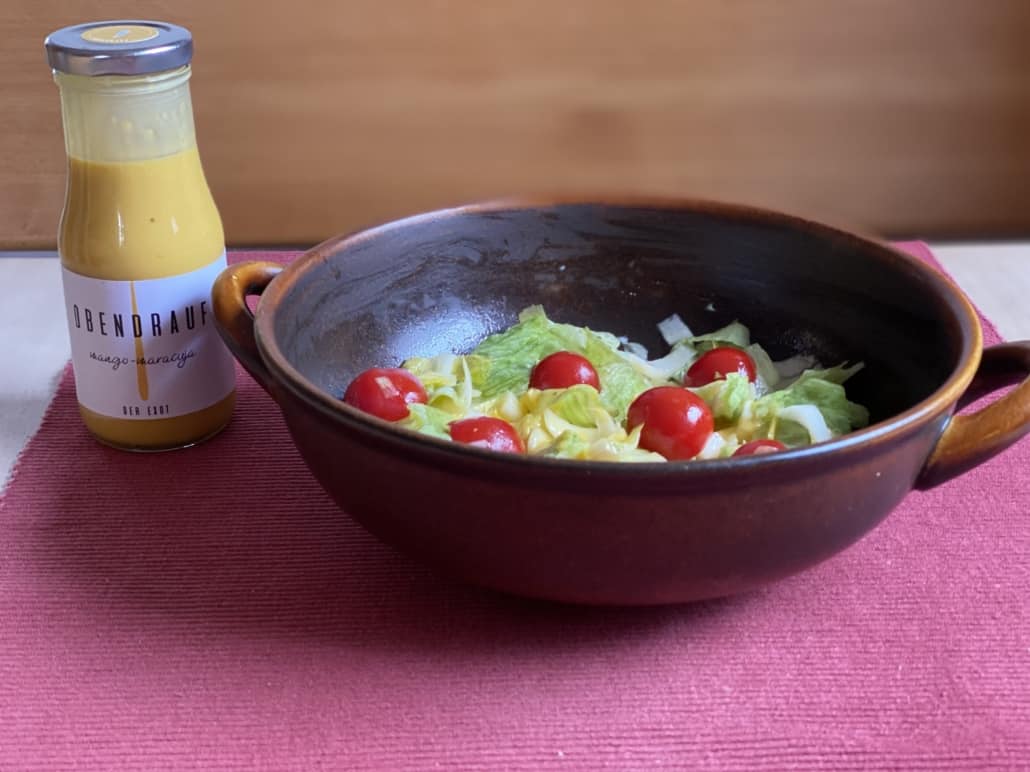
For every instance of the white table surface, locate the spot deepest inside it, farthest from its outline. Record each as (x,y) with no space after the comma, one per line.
(35,341)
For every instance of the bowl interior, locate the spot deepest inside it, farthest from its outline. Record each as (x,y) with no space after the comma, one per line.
(444,281)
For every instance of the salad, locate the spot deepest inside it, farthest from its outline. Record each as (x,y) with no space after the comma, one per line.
(549,389)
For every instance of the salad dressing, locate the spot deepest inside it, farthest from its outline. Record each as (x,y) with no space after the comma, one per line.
(140,239)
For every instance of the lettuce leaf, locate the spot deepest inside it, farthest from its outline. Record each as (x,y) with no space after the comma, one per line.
(733,334)
(808,405)
(838,374)
(840,414)
(768,375)
(447,380)
(727,398)
(669,367)
(577,404)
(568,445)
(573,423)
(434,372)
(428,420)
(673,329)
(503,362)
(808,417)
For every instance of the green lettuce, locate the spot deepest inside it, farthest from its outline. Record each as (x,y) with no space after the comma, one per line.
(727,398)
(448,382)
(838,374)
(503,362)
(568,445)
(733,334)
(577,404)
(841,415)
(807,405)
(435,372)
(764,366)
(428,420)
(790,433)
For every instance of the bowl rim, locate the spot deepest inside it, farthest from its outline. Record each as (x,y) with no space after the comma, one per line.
(943,399)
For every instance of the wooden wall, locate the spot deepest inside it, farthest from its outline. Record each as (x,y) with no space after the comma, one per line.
(319,116)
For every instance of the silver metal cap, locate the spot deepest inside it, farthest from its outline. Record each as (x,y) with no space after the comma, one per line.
(119,48)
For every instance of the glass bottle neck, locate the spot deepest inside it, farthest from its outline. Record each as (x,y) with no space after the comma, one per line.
(117,118)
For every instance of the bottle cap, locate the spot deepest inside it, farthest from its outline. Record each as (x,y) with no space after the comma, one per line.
(119,48)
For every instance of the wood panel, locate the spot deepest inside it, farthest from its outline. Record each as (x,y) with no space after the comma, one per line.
(318,117)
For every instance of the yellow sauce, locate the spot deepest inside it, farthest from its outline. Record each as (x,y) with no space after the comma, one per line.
(143,219)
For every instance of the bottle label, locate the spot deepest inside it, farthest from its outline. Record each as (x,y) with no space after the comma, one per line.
(147,349)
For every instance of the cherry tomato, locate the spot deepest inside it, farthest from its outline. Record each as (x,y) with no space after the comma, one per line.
(486,432)
(759,448)
(385,392)
(716,364)
(677,422)
(563,369)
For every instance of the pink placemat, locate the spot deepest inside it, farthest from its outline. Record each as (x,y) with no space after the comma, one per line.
(213,609)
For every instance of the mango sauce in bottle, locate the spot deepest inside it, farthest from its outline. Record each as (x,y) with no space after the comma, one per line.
(140,240)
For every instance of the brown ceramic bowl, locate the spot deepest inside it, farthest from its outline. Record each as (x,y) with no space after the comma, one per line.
(605,533)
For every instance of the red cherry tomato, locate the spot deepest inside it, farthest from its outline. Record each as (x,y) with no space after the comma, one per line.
(677,422)
(563,369)
(486,432)
(385,392)
(759,448)
(716,364)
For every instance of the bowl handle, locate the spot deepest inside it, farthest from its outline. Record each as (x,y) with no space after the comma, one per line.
(968,440)
(233,317)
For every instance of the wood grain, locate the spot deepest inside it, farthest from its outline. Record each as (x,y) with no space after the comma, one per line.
(904,118)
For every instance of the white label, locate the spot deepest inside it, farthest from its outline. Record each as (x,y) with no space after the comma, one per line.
(147,349)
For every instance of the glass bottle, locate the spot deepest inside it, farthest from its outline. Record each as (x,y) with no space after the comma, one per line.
(140,239)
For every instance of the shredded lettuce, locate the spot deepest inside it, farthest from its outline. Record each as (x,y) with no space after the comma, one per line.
(733,334)
(572,423)
(434,372)
(794,400)
(809,417)
(577,404)
(428,420)
(673,329)
(840,414)
(505,360)
(792,367)
(713,446)
(568,445)
(634,348)
(838,374)
(669,367)
(727,398)
(768,375)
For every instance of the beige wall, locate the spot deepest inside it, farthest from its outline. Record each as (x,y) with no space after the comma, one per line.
(318,116)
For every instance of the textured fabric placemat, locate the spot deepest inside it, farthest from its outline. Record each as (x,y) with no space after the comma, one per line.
(212,608)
